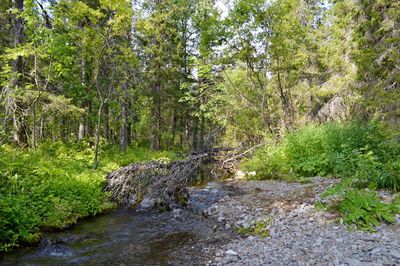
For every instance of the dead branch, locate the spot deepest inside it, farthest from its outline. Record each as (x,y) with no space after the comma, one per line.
(228,163)
(154,181)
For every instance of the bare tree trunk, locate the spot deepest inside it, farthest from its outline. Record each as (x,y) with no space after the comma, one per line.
(286,117)
(181,131)
(41,129)
(129,133)
(173,127)
(34,126)
(187,131)
(194,136)
(96,152)
(106,122)
(88,126)
(63,129)
(81,131)
(195,140)
(19,116)
(156,123)
(123,144)
(202,132)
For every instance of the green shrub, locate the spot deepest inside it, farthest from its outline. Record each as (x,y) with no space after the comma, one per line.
(55,185)
(358,150)
(364,209)
(362,154)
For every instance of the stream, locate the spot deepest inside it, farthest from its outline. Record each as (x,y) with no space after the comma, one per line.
(131,237)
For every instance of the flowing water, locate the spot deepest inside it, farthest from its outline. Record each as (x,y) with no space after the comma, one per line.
(130,237)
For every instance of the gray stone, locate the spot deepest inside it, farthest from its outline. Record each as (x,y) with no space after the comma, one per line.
(230,252)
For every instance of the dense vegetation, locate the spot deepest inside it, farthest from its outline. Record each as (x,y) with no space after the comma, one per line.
(52,187)
(364,155)
(84,83)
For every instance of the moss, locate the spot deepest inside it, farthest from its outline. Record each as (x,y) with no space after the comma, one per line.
(257,228)
(33,239)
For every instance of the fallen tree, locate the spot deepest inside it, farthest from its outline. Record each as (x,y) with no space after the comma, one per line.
(155,182)
(161,184)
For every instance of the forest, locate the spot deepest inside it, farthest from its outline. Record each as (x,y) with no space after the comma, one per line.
(90,86)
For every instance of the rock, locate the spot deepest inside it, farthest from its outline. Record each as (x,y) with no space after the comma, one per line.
(177,213)
(395,253)
(298,234)
(240,175)
(376,250)
(251,174)
(147,203)
(230,252)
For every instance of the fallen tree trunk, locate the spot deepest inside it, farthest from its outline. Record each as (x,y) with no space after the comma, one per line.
(155,182)
(228,163)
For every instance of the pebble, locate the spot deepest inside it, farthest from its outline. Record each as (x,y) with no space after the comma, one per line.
(231,253)
(298,234)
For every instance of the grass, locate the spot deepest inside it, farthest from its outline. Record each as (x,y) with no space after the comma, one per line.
(54,186)
(365,156)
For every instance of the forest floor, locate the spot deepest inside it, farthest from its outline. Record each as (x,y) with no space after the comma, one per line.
(280,225)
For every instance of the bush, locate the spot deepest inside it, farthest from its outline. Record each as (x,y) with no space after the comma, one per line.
(364,210)
(361,154)
(54,186)
(358,150)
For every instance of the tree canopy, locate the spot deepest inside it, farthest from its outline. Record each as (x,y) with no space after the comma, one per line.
(190,74)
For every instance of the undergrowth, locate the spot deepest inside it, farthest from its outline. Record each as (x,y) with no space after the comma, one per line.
(54,186)
(366,156)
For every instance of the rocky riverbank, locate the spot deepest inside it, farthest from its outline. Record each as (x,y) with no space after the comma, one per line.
(224,223)
(280,226)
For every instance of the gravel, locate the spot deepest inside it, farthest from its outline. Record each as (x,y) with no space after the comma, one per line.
(298,233)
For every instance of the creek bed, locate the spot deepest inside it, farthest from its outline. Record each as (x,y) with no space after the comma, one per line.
(130,237)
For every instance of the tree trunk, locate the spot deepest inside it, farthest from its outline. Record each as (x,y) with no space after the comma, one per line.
(123,143)
(41,129)
(156,123)
(19,117)
(106,122)
(96,152)
(181,131)
(202,132)
(63,129)
(129,133)
(194,136)
(195,140)
(88,127)
(173,127)
(34,126)
(81,131)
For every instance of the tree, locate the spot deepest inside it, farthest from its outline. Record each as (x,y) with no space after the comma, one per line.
(377,55)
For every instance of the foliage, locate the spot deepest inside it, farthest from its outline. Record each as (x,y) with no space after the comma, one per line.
(377,55)
(359,153)
(358,150)
(54,186)
(183,74)
(362,209)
